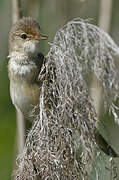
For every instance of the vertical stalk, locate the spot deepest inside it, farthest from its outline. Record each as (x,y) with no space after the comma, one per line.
(104,23)
(16,15)
(105,15)
(20,131)
(16,10)
(96,90)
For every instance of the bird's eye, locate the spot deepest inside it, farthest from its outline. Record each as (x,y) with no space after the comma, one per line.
(24,36)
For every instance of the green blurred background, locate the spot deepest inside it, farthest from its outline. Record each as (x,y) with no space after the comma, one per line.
(52,15)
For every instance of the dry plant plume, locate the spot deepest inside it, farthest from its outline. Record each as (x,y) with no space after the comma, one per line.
(60,144)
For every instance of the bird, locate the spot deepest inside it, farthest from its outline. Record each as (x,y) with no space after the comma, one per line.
(25,62)
(24,66)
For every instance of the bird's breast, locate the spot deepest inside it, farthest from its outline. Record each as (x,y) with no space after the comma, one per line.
(23,72)
(24,85)
(24,96)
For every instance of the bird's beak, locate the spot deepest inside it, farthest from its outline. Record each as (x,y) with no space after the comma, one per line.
(41,37)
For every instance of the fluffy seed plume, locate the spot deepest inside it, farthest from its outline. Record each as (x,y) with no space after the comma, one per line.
(60,144)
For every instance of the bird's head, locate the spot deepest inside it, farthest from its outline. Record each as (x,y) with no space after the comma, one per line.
(25,36)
